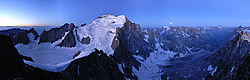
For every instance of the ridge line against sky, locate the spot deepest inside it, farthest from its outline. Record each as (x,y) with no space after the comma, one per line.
(143,12)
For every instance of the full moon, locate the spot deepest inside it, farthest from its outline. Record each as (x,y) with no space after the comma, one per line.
(170,22)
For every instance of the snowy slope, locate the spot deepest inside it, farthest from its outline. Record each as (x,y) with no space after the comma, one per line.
(46,56)
(101,32)
(53,58)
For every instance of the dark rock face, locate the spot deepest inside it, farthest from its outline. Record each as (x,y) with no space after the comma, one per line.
(96,66)
(232,59)
(130,42)
(13,68)
(32,30)
(187,40)
(21,38)
(131,37)
(85,40)
(83,24)
(229,62)
(115,42)
(242,72)
(55,34)
(12,65)
(68,41)
(19,35)
(27,58)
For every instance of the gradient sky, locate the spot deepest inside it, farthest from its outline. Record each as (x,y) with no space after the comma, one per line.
(144,12)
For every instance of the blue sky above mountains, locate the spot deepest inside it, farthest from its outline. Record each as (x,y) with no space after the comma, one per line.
(144,12)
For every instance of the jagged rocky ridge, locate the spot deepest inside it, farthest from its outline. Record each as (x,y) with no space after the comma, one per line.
(20,35)
(129,40)
(188,40)
(55,34)
(231,60)
(129,43)
(95,66)
(228,62)
(67,36)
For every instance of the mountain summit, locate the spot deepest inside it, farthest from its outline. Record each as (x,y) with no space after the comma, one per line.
(113,47)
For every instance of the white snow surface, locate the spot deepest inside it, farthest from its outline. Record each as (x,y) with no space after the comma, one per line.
(146,38)
(53,68)
(101,32)
(184,34)
(46,56)
(166,28)
(210,68)
(149,69)
(53,58)
(232,69)
(120,67)
(212,73)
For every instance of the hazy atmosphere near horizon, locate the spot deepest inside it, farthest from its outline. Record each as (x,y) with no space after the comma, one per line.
(144,12)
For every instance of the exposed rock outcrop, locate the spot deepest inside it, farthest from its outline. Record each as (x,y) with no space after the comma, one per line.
(229,62)
(188,40)
(85,40)
(69,40)
(12,65)
(129,42)
(55,34)
(96,66)
(13,68)
(19,35)
(232,59)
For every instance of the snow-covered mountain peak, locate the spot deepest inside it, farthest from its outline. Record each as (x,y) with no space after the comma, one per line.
(106,15)
(109,20)
(101,32)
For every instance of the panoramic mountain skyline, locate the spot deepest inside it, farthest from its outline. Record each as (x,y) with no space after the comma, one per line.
(144,12)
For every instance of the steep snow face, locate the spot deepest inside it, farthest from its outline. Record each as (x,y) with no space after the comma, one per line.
(101,32)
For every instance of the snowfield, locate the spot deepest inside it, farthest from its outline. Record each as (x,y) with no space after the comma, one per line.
(46,56)
(53,58)
(101,32)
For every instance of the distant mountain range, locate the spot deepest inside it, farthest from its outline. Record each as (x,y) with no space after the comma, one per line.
(114,48)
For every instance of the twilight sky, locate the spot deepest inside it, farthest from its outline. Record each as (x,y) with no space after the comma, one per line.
(144,12)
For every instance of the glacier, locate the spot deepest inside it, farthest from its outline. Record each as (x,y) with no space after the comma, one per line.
(53,58)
